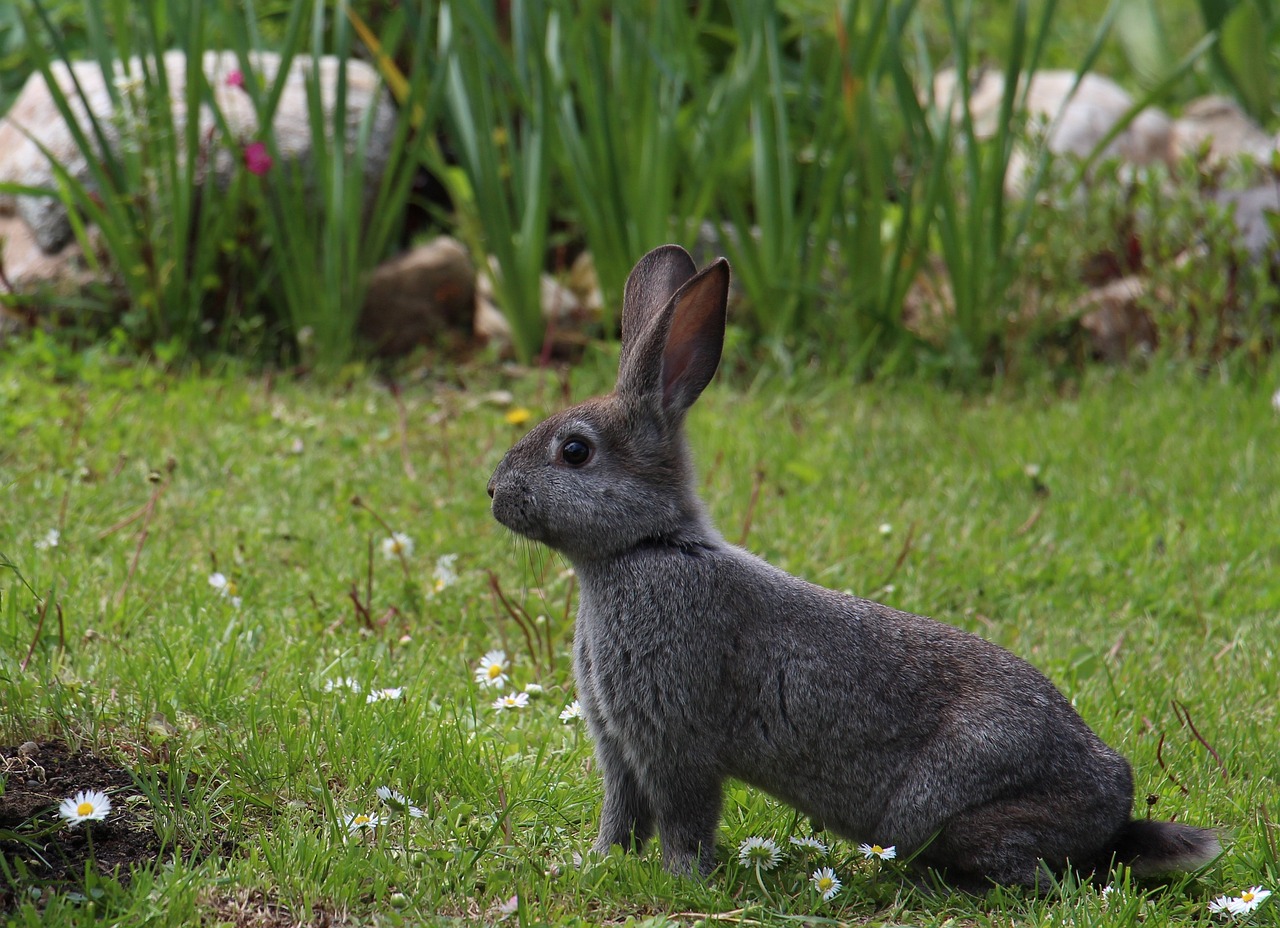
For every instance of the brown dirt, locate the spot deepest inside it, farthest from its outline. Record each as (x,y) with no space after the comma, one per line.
(252,909)
(33,838)
(54,855)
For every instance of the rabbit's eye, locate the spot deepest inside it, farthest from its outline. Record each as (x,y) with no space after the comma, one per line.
(575,452)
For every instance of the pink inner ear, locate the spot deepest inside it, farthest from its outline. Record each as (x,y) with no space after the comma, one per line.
(675,361)
(692,350)
(684,344)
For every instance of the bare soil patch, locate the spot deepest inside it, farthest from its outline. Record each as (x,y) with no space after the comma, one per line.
(38,849)
(252,909)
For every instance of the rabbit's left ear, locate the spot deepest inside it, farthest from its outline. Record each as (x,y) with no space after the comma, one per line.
(677,353)
(651,283)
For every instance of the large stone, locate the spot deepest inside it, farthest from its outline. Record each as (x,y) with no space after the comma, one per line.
(1218,126)
(1075,118)
(33,280)
(1253,211)
(25,266)
(564,314)
(35,123)
(1113,319)
(418,296)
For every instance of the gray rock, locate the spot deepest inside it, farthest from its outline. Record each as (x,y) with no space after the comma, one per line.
(564,313)
(34,121)
(1074,119)
(416,297)
(1220,125)
(25,266)
(1250,209)
(1114,320)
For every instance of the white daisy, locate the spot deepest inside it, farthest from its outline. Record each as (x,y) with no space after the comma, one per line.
(1242,904)
(1251,898)
(875,850)
(361,821)
(826,882)
(390,692)
(225,586)
(533,689)
(886,528)
(398,801)
(1275,401)
(397,546)
(1223,905)
(342,683)
(760,852)
(90,805)
(512,701)
(50,540)
(391,797)
(808,843)
(492,671)
(445,574)
(571,712)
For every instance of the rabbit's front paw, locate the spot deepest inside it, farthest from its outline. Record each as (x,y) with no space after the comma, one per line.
(698,862)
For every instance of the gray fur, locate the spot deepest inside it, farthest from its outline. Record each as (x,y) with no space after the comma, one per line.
(697,661)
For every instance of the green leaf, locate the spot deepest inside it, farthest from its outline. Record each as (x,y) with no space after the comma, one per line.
(1244,51)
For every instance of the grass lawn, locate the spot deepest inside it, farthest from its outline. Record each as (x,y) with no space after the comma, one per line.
(1125,538)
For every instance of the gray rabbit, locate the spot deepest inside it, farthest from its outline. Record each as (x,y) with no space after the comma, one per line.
(697,661)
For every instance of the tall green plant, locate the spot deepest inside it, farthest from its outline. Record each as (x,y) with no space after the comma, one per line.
(883,231)
(165,231)
(780,240)
(979,227)
(193,253)
(628,93)
(498,106)
(1248,50)
(325,230)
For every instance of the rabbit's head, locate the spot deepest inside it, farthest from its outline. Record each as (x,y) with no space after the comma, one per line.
(613,472)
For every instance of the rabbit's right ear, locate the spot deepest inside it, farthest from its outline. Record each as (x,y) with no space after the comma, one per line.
(676,354)
(650,285)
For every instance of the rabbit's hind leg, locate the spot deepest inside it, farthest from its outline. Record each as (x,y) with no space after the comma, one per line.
(627,816)
(1012,843)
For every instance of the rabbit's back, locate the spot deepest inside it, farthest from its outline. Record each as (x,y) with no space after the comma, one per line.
(880,723)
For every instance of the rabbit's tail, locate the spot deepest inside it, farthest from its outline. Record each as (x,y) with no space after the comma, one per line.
(1151,848)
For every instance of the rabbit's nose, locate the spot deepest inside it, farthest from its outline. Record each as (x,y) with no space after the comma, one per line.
(490,489)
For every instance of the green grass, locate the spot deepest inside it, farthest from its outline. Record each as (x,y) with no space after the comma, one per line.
(1141,566)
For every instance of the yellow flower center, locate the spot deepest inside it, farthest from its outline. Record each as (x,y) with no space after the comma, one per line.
(877,850)
(360,820)
(495,671)
(85,808)
(825,883)
(1246,896)
(518,416)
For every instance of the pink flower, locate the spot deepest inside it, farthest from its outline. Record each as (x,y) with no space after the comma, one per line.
(257,159)
(236,79)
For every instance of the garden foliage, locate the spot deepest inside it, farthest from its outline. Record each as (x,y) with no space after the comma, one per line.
(794,138)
